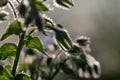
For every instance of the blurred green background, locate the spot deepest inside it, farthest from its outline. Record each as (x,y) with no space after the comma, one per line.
(97,19)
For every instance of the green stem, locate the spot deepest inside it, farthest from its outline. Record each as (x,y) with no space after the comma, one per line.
(20,45)
(55,73)
(51,74)
(53,64)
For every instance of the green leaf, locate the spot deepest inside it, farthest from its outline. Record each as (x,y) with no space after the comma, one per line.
(14,28)
(35,43)
(8,67)
(22,77)
(21,68)
(75,61)
(75,50)
(89,69)
(4,72)
(83,61)
(66,69)
(64,3)
(44,75)
(2,16)
(3,2)
(80,62)
(48,22)
(83,58)
(63,40)
(7,49)
(27,39)
(3,78)
(41,6)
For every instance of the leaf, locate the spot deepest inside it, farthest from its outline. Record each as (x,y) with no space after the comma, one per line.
(27,39)
(7,49)
(41,6)
(83,58)
(63,40)
(8,67)
(89,69)
(21,68)
(83,61)
(2,16)
(48,21)
(14,28)
(75,61)
(35,43)
(3,2)
(66,69)
(44,75)
(75,50)
(80,62)
(4,73)
(22,77)
(64,3)
(3,78)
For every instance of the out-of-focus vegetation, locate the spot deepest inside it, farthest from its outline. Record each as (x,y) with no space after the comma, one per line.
(69,57)
(99,19)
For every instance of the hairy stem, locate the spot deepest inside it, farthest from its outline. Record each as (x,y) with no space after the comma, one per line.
(55,73)
(20,46)
(14,12)
(57,70)
(52,66)
(18,1)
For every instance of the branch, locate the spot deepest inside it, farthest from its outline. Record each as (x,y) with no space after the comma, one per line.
(14,12)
